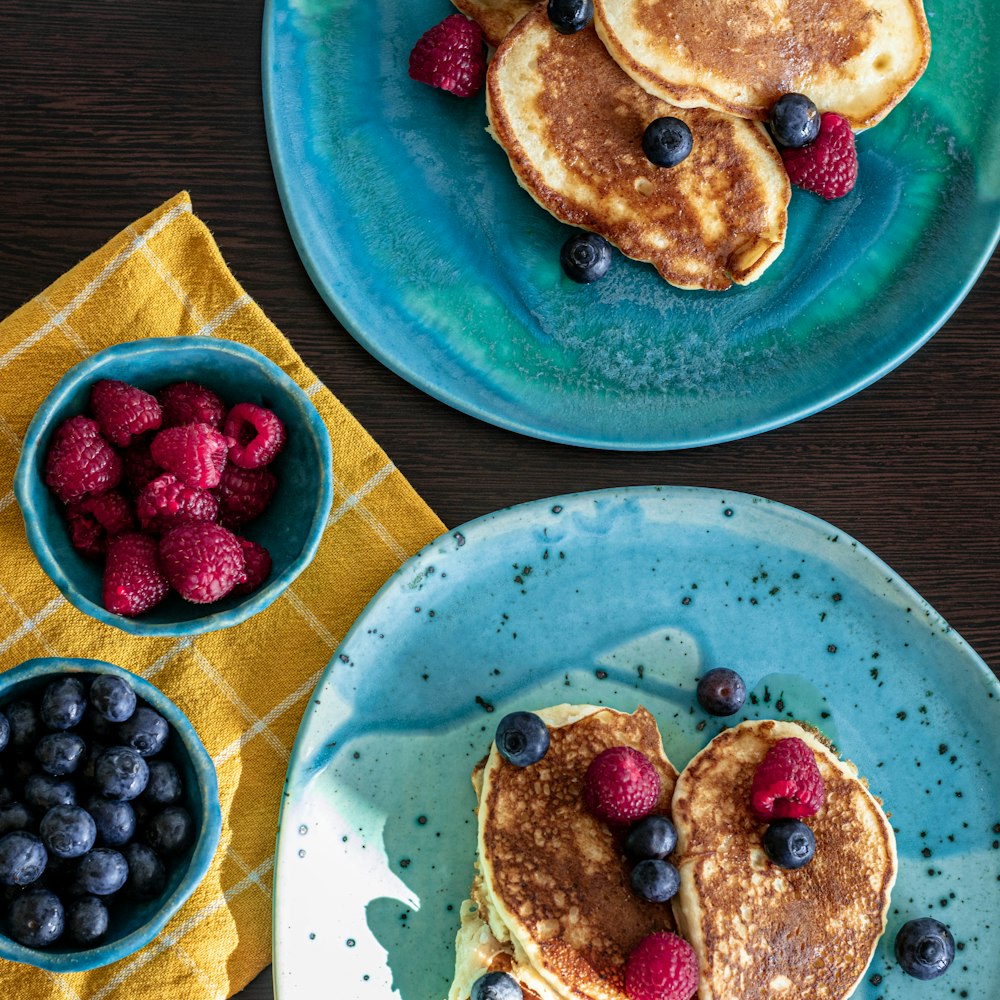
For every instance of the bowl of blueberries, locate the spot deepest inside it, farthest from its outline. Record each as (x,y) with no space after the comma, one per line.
(109,813)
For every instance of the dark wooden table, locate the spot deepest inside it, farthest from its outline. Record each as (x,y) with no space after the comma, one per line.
(107,109)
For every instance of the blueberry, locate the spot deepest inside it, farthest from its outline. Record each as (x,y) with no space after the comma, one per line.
(59,874)
(496,986)
(722,691)
(650,837)
(89,765)
(924,948)
(60,753)
(68,831)
(22,858)
(36,918)
(147,878)
(655,881)
(585,257)
(63,703)
(667,141)
(4,731)
(115,820)
(794,120)
(25,725)
(522,738)
(120,773)
(146,731)
(24,768)
(16,816)
(164,786)
(170,831)
(101,872)
(570,16)
(86,920)
(100,728)
(789,843)
(112,697)
(43,791)
(142,811)
(6,795)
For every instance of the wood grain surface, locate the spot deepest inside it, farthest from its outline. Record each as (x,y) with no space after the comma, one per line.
(109,108)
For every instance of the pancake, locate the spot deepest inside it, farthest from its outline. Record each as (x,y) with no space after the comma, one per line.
(858,58)
(495,17)
(479,950)
(758,930)
(552,903)
(571,123)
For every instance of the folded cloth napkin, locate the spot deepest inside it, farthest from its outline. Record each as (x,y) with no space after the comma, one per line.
(245,688)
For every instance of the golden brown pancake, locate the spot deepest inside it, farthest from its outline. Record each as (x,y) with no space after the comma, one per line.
(760,931)
(553,904)
(571,123)
(858,58)
(495,17)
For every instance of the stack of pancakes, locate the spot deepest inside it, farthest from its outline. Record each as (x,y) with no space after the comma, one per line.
(551,902)
(570,111)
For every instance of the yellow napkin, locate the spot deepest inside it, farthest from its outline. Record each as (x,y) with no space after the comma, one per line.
(245,688)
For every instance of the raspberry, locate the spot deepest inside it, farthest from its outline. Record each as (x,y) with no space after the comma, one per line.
(190,403)
(80,462)
(256,564)
(87,536)
(450,56)
(194,453)
(133,580)
(259,435)
(140,469)
(827,166)
(96,519)
(166,503)
(203,562)
(111,510)
(787,783)
(662,966)
(243,494)
(122,410)
(621,785)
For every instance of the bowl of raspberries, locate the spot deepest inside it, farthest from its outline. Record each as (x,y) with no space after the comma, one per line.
(109,813)
(176,485)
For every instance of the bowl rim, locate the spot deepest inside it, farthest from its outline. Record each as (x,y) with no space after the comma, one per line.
(204,848)
(44,418)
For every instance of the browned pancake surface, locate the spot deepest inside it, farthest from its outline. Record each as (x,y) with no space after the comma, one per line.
(717,217)
(856,57)
(559,870)
(767,932)
(809,37)
(495,17)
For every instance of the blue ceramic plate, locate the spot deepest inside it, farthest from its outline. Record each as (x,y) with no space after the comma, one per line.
(410,222)
(623,598)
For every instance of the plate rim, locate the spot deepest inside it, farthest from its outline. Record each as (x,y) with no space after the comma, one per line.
(327,288)
(703,494)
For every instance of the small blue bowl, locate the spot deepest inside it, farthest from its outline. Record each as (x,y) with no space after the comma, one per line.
(291,527)
(133,924)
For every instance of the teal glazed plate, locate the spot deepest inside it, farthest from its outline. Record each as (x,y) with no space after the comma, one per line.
(411,224)
(624,598)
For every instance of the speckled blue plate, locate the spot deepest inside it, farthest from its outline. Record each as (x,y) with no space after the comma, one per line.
(623,598)
(413,228)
